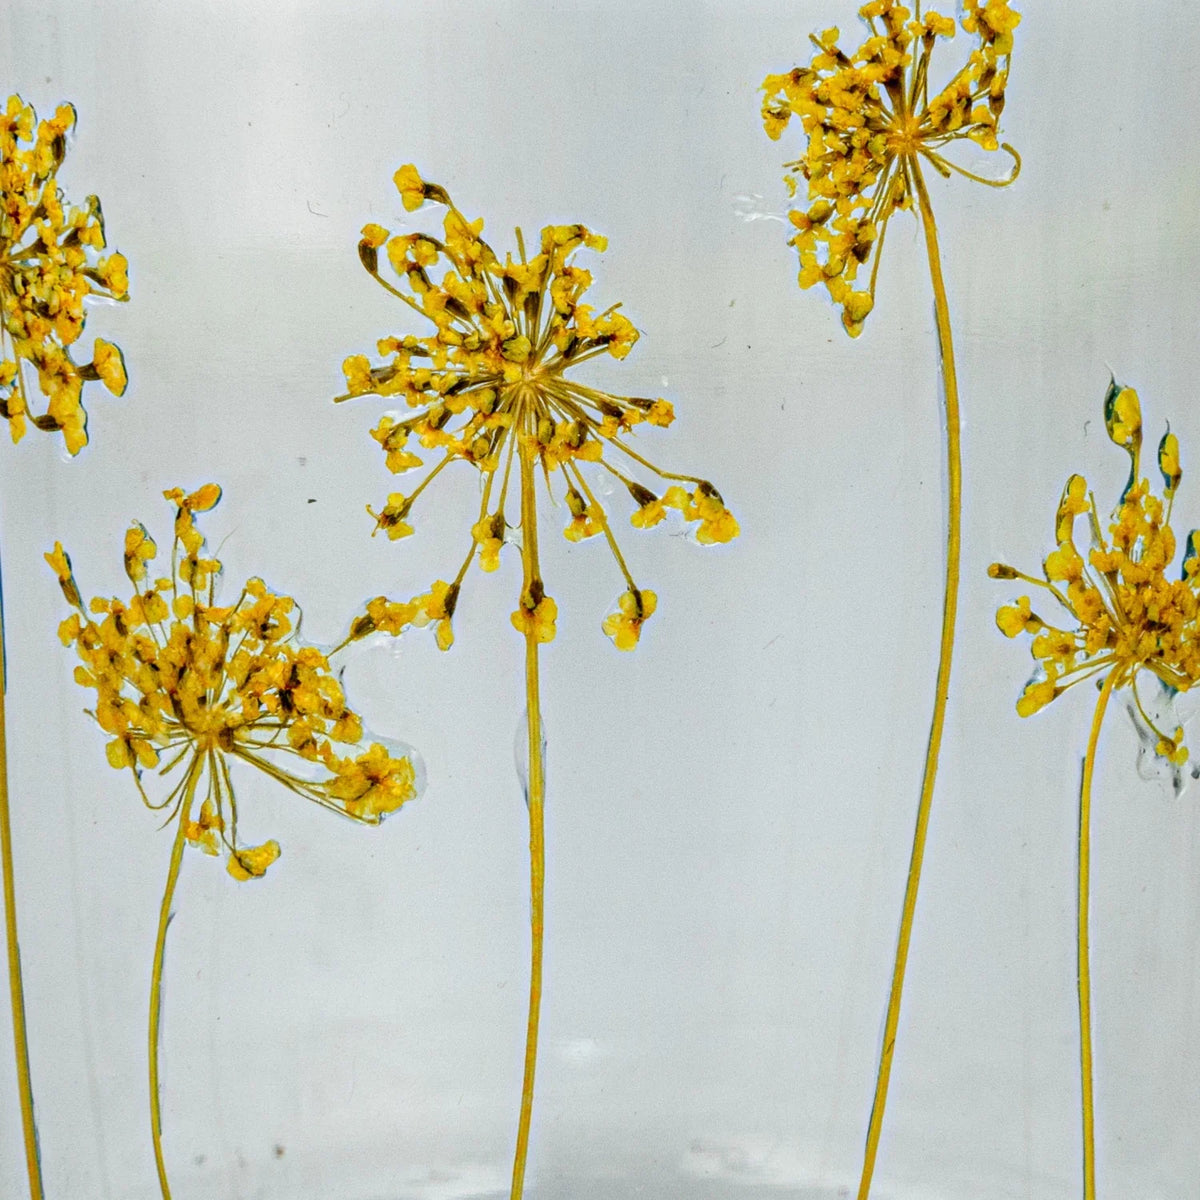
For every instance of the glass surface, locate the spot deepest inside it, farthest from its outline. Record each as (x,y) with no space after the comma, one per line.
(729,808)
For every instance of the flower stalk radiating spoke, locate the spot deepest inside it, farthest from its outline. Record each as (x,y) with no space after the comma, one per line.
(1124,618)
(872,127)
(186,686)
(490,386)
(49,266)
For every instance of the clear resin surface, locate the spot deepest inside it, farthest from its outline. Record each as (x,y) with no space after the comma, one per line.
(729,806)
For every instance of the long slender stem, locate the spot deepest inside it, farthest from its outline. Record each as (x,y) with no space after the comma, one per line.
(942,689)
(1085,973)
(15,987)
(537,841)
(160,945)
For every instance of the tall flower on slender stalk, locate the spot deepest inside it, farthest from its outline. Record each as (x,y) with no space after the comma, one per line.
(489,386)
(184,686)
(872,127)
(50,264)
(1124,618)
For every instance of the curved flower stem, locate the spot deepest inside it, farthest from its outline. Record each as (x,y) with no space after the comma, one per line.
(160,945)
(949,615)
(15,987)
(1085,974)
(537,842)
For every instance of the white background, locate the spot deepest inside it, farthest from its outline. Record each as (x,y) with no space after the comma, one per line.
(730,808)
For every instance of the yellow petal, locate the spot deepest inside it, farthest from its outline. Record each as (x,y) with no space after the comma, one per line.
(1035,697)
(120,754)
(203,498)
(251,862)
(1011,619)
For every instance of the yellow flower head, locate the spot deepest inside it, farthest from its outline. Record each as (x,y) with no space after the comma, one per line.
(634,609)
(185,685)
(49,265)
(490,385)
(870,120)
(1124,614)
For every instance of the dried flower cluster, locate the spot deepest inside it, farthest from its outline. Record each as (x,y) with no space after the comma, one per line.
(868,118)
(1126,615)
(179,677)
(489,383)
(50,263)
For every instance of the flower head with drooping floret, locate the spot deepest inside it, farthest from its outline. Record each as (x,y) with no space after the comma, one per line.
(176,675)
(489,386)
(1126,615)
(869,119)
(50,263)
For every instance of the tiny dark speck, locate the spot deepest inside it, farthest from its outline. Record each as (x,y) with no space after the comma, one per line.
(312,501)
(279,1150)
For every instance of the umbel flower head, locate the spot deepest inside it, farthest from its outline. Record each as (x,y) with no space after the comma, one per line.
(488,384)
(869,119)
(50,262)
(1125,615)
(181,679)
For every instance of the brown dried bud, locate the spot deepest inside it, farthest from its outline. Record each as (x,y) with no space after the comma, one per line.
(641,495)
(361,626)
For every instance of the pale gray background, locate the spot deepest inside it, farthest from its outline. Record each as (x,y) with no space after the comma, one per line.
(730,809)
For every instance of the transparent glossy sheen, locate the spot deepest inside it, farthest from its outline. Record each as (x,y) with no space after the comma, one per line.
(729,808)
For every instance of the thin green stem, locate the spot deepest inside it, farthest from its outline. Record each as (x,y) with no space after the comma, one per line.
(16,989)
(160,945)
(1085,974)
(942,688)
(537,842)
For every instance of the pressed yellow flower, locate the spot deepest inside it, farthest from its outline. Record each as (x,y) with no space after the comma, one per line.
(870,121)
(177,674)
(413,190)
(49,266)
(536,616)
(184,685)
(110,366)
(492,385)
(391,519)
(489,533)
(872,126)
(1124,614)
(633,610)
(1120,615)
(251,862)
